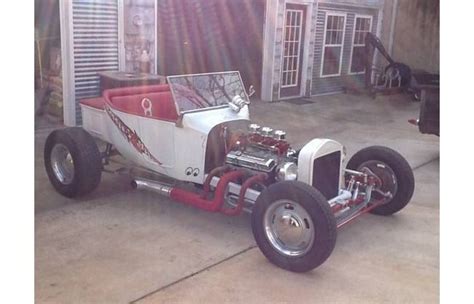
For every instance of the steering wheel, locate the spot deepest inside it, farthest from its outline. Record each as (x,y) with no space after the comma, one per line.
(147,106)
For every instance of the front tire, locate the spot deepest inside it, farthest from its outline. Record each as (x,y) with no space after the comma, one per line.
(73,162)
(394,172)
(293,226)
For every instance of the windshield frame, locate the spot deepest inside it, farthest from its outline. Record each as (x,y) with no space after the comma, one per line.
(181,113)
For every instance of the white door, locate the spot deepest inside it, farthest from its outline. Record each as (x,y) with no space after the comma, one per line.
(293,41)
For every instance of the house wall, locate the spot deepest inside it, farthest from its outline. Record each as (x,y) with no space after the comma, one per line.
(332,84)
(313,83)
(416,34)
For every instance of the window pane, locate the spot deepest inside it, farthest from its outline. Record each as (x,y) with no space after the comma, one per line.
(340,23)
(358,24)
(362,37)
(358,59)
(366,24)
(339,37)
(333,37)
(357,38)
(331,60)
(330,22)
(328,37)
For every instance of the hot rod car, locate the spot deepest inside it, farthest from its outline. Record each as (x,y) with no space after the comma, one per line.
(195,130)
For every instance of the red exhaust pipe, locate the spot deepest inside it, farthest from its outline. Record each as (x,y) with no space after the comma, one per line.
(240,204)
(197,200)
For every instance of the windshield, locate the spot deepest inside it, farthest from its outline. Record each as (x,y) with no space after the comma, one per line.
(201,91)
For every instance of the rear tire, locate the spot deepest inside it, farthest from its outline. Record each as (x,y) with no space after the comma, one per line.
(294,226)
(73,161)
(387,162)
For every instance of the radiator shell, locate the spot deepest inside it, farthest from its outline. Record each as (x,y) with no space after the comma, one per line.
(319,165)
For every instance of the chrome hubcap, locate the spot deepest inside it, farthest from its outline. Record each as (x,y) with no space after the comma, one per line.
(289,228)
(62,164)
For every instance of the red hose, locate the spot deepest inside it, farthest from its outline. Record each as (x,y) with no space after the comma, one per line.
(240,204)
(207,182)
(195,199)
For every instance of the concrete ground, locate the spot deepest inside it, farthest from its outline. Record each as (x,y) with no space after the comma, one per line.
(118,245)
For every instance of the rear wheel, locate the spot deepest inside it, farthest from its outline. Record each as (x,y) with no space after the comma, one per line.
(394,173)
(293,226)
(73,162)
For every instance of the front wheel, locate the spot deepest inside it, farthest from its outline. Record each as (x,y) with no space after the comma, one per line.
(392,170)
(293,226)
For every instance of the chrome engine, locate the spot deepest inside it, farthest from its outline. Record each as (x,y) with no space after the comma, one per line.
(264,150)
(318,163)
(265,163)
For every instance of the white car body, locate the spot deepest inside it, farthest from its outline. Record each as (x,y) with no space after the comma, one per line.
(180,146)
(176,147)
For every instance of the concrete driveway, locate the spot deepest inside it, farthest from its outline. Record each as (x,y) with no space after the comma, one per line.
(118,245)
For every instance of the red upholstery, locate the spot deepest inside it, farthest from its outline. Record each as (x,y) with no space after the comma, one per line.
(98,102)
(162,105)
(129,100)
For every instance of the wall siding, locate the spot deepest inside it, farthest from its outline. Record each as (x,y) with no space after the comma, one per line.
(95,46)
(325,85)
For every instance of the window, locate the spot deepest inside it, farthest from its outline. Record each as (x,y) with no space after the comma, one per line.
(333,42)
(362,26)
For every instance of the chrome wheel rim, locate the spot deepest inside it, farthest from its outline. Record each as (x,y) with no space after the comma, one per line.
(289,228)
(62,164)
(386,176)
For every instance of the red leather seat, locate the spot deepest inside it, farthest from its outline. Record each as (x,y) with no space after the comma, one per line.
(162,103)
(129,100)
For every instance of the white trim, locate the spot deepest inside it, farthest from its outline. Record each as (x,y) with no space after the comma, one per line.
(332,13)
(121,34)
(392,27)
(67,45)
(156,37)
(314,57)
(307,50)
(378,32)
(275,38)
(349,70)
(269,44)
